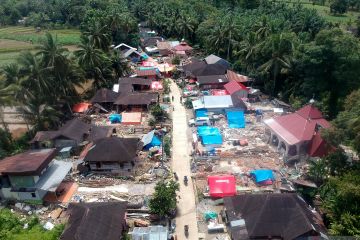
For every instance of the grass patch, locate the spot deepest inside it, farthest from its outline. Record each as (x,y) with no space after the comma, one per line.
(7,58)
(324,11)
(28,34)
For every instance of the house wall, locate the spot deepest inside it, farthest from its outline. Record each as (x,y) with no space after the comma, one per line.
(111,167)
(23,181)
(212,86)
(61,143)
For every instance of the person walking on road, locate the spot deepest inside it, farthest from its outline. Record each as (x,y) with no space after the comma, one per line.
(181,100)
(172,98)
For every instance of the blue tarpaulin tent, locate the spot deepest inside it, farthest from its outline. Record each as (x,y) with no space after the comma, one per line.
(262,175)
(115,118)
(236,119)
(201,113)
(154,143)
(209,135)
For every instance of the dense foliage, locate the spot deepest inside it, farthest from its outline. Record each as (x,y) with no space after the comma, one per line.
(163,201)
(12,228)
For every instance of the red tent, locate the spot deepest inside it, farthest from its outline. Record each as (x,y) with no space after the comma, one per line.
(222,185)
(81,107)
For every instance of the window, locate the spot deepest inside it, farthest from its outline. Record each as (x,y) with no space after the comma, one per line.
(33,195)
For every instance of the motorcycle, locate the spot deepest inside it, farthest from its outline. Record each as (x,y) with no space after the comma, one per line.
(185,180)
(176,176)
(186,230)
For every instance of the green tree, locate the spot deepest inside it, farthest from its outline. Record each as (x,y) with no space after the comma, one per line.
(341,196)
(157,112)
(163,201)
(339,6)
(279,50)
(98,35)
(95,63)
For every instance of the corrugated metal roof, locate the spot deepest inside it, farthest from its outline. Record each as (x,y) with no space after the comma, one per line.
(150,233)
(218,101)
(53,176)
(29,163)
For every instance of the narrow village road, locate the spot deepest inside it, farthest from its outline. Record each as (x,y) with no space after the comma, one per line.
(181,165)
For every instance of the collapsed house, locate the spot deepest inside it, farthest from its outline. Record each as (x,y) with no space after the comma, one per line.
(297,135)
(105,98)
(93,221)
(112,155)
(72,134)
(29,176)
(130,53)
(137,84)
(136,101)
(271,216)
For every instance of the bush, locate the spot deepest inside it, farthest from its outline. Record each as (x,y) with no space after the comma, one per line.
(176,60)
(157,112)
(188,103)
(166,85)
(167,145)
(152,122)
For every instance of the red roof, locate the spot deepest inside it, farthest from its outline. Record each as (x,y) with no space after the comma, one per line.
(318,147)
(81,107)
(299,126)
(222,185)
(147,72)
(233,76)
(234,86)
(310,112)
(183,46)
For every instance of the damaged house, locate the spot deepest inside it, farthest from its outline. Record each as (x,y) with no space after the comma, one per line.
(29,176)
(283,216)
(297,135)
(113,155)
(105,98)
(136,101)
(94,221)
(72,134)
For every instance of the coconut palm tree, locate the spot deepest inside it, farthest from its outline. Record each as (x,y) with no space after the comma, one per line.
(281,48)
(94,62)
(11,73)
(248,48)
(52,54)
(99,36)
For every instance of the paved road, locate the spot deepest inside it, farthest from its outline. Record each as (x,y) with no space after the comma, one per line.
(181,165)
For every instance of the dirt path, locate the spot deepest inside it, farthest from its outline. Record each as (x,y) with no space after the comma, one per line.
(181,165)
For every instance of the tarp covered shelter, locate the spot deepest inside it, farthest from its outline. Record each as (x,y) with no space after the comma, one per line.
(201,113)
(149,140)
(209,135)
(115,118)
(236,119)
(222,185)
(262,175)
